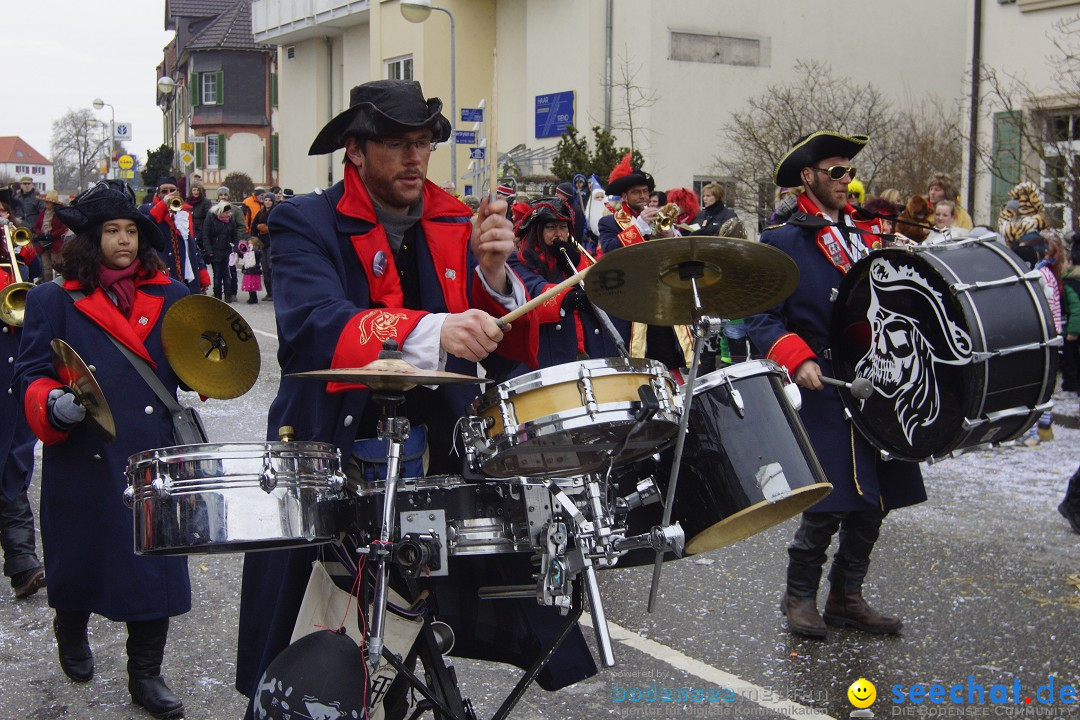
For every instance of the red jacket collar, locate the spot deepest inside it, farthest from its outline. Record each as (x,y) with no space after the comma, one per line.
(356,202)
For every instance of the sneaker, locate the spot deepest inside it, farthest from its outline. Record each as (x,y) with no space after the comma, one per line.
(1031,440)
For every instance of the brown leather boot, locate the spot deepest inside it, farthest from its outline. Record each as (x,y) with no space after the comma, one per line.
(849,608)
(803,617)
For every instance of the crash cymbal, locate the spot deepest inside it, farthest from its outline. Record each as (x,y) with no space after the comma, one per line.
(389,374)
(74,373)
(649,282)
(210,347)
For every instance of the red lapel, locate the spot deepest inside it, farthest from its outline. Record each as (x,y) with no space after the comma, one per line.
(133,331)
(448,244)
(385,287)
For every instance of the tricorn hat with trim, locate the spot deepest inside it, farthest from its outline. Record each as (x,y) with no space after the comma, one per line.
(811,148)
(108,200)
(624,177)
(383,108)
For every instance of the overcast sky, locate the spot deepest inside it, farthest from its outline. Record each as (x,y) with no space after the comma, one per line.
(61,54)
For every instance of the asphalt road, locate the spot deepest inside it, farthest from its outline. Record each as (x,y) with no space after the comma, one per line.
(986,576)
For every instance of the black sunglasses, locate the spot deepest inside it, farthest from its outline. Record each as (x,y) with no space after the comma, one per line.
(837,172)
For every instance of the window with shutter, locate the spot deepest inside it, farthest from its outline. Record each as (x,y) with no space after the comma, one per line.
(274,152)
(1006,156)
(273,90)
(221,150)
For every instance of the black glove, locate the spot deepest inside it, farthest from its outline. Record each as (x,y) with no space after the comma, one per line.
(571,250)
(575,299)
(64,409)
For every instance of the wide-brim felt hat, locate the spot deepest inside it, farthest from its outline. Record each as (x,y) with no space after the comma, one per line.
(105,201)
(383,108)
(811,148)
(635,178)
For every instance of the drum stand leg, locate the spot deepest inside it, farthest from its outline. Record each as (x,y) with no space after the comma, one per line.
(395,430)
(441,689)
(703,326)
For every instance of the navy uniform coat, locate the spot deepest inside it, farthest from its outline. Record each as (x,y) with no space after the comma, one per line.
(87,533)
(335,310)
(869,483)
(16,439)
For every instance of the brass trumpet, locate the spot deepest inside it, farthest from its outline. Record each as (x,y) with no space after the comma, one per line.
(13,297)
(667,216)
(176,204)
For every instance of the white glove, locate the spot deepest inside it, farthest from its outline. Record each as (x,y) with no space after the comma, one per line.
(64,409)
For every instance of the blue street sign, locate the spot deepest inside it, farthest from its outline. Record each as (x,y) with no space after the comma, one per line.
(554,112)
(465,137)
(476,153)
(472,114)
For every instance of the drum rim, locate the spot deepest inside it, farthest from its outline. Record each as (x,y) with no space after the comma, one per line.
(202,451)
(737,371)
(570,372)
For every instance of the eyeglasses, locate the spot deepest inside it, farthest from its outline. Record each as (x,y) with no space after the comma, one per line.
(423,147)
(837,172)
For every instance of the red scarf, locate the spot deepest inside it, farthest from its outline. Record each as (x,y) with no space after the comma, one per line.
(121,283)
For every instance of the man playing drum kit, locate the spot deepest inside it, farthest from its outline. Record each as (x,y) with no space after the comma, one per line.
(865,487)
(386,255)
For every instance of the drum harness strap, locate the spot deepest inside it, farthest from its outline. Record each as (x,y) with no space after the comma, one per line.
(187,425)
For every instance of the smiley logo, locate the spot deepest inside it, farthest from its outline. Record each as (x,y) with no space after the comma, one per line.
(862,693)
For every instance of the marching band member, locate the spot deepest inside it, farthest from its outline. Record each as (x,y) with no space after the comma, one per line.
(385,254)
(568,327)
(865,487)
(632,222)
(21,563)
(114,291)
(180,253)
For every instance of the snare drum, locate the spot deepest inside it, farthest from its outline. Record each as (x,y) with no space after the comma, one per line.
(957,339)
(747,463)
(234,497)
(568,419)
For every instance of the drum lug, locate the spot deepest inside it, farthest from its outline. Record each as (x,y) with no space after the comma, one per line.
(129,496)
(267,479)
(736,397)
(585,387)
(160,485)
(1033,276)
(971,423)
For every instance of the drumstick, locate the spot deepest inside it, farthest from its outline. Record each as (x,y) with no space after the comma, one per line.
(542,298)
(493,130)
(860,388)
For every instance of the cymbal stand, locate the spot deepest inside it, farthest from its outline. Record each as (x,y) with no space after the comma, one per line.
(602,317)
(703,327)
(395,430)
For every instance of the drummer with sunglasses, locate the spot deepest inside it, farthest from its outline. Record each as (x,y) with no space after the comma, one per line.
(796,334)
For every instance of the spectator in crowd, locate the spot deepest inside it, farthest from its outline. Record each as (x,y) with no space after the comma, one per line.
(856,193)
(914,221)
(941,187)
(945,223)
(885,225)
(250,252)
(688,203)
(25,203)
(1021,222)
(49,233)
(713,213)
(657,199)
(576,200)
(1070,304)
(200,206)
(1051,268)
(785,202)
(221,232)
(278,193)
(262,231)
(252,205)
(287,193)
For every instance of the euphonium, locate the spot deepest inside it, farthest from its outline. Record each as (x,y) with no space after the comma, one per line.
(13,297)
(176,204)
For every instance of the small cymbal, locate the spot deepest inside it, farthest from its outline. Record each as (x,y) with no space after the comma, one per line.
(389,374)
(210,347)
(74,373)
(648,282)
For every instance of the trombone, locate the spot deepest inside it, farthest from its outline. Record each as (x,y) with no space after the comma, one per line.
(13,297)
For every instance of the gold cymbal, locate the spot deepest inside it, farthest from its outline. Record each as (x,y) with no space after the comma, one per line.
(74,373)
(389,374)
(648,282)
(210,347)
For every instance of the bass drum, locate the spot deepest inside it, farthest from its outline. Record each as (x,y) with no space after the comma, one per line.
(747,463)
(957,339)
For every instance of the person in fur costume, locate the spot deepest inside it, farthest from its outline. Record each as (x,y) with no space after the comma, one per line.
(1021,220)
(913,223)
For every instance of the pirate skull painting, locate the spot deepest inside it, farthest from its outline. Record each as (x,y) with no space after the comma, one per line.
(912,332)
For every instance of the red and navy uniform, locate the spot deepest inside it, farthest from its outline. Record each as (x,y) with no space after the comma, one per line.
(86,530)
(861,479)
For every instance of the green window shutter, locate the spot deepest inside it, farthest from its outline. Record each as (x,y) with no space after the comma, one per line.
(220,88)
(1005,158)
(200,160)
(196,90)
(221,150)
(273,90)
(274,152)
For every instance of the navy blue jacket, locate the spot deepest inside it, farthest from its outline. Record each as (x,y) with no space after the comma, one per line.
(87,533)
(869,482)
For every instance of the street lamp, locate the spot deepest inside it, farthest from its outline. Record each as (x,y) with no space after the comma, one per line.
(98,105)
(417,11)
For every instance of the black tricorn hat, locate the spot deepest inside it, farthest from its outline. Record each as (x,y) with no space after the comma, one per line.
(811,148)
(633,179)
(383,108)
(551,209)
(108,200)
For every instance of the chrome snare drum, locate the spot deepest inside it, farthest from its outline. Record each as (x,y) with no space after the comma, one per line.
(568,419)
(234,497)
